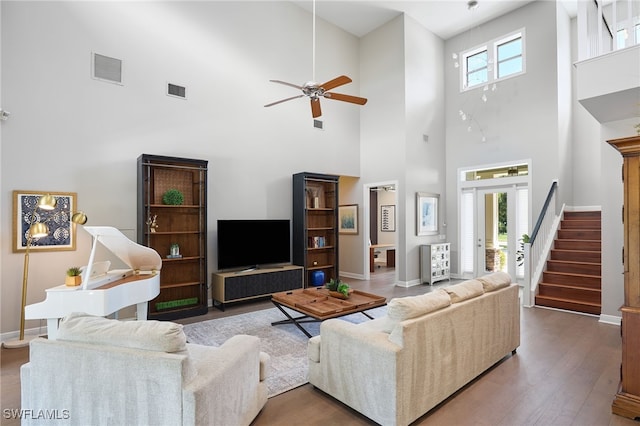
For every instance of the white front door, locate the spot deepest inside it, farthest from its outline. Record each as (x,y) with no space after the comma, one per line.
(493,220)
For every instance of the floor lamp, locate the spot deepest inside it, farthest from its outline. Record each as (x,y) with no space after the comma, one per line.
(36,230)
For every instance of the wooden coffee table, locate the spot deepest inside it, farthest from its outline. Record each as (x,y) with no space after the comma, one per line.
(316,304)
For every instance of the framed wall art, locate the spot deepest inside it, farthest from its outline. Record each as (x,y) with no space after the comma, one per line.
(388,218)
(426,213)
(62,232)
(348,219)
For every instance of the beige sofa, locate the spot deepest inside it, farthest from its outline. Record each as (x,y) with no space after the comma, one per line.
(108,372)
(396,368)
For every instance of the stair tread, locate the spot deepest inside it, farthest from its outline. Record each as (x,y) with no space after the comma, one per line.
(570,286)
(580,262)
(576,251)
(572,274)
(561,299)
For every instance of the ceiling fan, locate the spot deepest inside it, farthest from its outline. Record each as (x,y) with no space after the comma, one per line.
(316,91)
(386,188)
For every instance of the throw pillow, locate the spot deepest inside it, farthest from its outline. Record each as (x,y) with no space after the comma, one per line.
(148,335)
(465,290)
(403,308)
(495,281)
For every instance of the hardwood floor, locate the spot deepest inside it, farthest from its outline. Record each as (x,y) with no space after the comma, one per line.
(565,372)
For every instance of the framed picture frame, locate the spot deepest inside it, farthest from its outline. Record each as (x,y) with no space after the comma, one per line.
(427,213)
(62,232)
(348,219)
(388,218)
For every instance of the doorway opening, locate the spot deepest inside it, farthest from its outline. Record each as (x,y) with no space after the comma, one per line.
(380,228)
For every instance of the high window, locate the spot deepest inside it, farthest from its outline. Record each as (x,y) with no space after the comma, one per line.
(499,59)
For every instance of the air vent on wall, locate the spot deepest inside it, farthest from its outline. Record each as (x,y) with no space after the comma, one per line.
(106,69)
(318,124)
(176,91)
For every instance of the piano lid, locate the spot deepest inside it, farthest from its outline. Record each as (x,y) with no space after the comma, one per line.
(137,256)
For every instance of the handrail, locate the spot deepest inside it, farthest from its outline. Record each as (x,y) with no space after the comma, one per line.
(536,249)
(534,233)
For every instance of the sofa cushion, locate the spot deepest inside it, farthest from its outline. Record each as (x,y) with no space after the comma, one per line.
(465,290)
(495,281)
(160,336)
(403,308)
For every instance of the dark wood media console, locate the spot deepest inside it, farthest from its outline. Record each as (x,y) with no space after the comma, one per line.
(238,286)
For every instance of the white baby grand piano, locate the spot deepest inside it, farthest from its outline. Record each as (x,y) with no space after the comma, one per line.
(104,291)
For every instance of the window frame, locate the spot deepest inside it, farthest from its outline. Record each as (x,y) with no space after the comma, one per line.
(491,48)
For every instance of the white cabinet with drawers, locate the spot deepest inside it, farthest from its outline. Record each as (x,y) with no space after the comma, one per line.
(434,262)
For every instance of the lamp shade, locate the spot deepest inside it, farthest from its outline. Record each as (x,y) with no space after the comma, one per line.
(47,202)
(79,218)
(39,230)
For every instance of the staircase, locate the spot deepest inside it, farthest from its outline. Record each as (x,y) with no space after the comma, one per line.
(572,277)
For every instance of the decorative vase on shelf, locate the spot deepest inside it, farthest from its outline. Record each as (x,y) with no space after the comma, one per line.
(317,278)
(314,197)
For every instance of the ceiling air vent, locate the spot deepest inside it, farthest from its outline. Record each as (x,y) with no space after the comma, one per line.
(318,124)
(176,91)
(107,69)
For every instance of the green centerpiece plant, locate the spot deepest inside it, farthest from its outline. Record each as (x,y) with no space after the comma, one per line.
(339,287)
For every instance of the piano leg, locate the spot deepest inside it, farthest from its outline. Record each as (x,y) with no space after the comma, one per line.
(52,328)
(141,311)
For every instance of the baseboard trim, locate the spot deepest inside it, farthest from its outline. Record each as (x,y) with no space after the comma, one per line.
(407,284)
(352,275)
(28,333)
(610,319)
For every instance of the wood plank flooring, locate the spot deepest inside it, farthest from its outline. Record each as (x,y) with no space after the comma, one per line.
(565,372)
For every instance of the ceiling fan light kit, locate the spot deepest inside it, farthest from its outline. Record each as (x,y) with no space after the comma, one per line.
(315,91)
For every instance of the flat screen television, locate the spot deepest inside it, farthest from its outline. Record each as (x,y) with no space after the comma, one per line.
(246,244)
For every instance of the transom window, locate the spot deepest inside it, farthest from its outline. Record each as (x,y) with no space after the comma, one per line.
(506,53)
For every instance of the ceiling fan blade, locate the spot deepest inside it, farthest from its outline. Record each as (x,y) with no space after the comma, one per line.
(338,81)
(315,108)
(346,98)
(283,100)
(286,84)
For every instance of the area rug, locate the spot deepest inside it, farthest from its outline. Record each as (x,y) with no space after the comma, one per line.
(286,344)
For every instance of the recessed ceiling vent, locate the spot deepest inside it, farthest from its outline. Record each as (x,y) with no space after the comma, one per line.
(107,69)
(318,124)
(176,91)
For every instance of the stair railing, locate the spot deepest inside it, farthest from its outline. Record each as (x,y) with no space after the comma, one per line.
(537,249)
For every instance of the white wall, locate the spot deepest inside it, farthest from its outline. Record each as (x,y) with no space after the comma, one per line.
(565,105)
(520,119)
(409,105)
(587,188)
(383,130)
(425,169)
(90,133)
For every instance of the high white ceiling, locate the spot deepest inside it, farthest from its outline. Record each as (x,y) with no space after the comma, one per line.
(445,18)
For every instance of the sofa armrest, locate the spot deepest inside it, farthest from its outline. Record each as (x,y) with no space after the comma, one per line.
(355,363)
(230,369)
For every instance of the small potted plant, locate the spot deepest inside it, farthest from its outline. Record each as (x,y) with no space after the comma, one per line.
(338,288)
(73,277)
(173,197)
